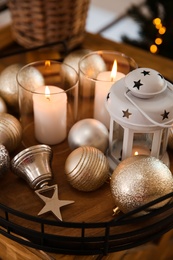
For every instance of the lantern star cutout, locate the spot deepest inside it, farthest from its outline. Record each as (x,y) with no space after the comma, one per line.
(108,96)
(52,204)
(144,72)
(160,75)
(165,115)
(126,113)
(137,84)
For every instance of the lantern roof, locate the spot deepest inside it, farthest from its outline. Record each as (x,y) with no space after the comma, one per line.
(143,98)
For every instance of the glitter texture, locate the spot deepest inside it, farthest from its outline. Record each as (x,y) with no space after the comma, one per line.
(4,160)
(138,180)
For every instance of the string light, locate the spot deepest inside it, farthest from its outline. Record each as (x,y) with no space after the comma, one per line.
(153,48)
(158,41)
(161,30)
(156,21)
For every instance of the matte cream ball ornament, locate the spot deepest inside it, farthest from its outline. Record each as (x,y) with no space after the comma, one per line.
(74,57)
(3,106)
(138,180)
(88,132)
(10,131)
(86,168)
(8,85)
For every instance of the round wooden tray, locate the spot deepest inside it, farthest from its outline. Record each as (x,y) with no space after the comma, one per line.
(88,226)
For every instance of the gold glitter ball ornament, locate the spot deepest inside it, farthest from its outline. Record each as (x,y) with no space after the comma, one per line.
(8,85)
(10,131)
(86,168)
(4,160)
(139,180)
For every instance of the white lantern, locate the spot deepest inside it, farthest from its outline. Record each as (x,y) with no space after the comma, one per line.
(141,110)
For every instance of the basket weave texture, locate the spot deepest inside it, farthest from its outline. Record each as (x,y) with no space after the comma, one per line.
(40,22)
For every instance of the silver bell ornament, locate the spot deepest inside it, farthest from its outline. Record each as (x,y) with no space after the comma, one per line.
(8,85)
(139,180)
(86,168)
(10,131)
(88,132)
(33,164)
(4,160)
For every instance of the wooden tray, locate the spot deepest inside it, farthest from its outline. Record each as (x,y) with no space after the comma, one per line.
(88,226)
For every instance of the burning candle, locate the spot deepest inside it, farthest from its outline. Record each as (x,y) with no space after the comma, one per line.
(50,108)
(104,82)
(140,150)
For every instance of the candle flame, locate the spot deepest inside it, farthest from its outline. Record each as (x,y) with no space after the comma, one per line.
(136,153)
(47,63)
(114,71)
(47,92)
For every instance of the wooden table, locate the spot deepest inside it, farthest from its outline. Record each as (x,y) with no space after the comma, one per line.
(79,213)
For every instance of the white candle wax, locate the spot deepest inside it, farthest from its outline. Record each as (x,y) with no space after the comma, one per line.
(102,86)
(50,115)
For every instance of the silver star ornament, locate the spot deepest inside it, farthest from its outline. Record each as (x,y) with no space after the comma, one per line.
(52,204)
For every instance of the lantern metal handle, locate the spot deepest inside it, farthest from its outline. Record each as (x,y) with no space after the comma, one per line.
(167,124)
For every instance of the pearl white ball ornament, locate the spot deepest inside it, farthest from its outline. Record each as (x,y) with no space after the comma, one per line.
(73,58)
(139,180)
(88,132)
(3,107)
(86,168)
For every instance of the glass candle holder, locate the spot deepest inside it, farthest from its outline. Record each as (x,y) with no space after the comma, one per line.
(48,103)
(98,71)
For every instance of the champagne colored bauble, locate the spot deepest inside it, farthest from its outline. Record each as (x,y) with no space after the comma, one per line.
(8,85)
(3,107)
(92,65)
(4,160)
(73,58)
(29,79)
(138,180)
(89,132)
(86,168)
(10,131)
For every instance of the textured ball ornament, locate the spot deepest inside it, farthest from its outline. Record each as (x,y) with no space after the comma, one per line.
(10,131)
(88,132)
(86,168)
(4,160)
(138,180)
(8,85)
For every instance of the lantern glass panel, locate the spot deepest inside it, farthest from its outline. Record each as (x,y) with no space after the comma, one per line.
(142,143)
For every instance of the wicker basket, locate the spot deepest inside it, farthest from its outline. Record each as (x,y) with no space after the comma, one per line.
(40,22)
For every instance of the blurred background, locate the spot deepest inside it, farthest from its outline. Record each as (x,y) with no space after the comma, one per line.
(146,24)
